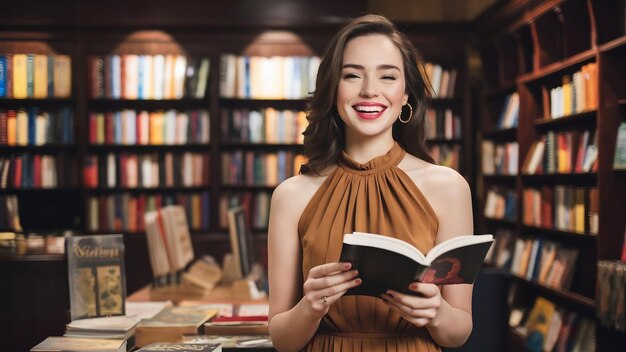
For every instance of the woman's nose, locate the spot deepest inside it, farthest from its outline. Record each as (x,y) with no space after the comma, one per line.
(369,88)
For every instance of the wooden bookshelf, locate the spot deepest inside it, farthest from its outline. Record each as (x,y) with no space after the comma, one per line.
(565,37)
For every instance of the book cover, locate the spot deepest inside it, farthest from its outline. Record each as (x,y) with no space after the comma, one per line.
(96,275)
(182,347)
(69,344)
(385,263)
(172,323)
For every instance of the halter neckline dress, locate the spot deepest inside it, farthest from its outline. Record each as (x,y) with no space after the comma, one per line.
(376,196)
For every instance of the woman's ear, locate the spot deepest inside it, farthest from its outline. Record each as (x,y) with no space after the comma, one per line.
(405,99)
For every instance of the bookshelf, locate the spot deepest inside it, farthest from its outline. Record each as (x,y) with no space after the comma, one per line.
(196,30)
(564,59)
(37,117)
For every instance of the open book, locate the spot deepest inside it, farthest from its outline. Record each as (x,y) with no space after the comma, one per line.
(385,262)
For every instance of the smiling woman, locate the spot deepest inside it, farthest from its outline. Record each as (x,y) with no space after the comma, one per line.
(368,171)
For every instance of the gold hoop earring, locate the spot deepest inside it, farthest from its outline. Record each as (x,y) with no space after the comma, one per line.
(410,114)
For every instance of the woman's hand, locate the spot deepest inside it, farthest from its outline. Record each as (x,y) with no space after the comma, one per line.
(326,283)
(421,309)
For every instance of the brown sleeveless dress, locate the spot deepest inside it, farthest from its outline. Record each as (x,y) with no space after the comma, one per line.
(373,197)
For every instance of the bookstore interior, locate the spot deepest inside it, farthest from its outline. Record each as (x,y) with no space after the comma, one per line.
(140,143)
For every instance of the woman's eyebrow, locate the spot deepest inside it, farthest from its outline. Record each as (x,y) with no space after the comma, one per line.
(379,67)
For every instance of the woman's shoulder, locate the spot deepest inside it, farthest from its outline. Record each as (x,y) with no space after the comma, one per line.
(435,181)
(300,189)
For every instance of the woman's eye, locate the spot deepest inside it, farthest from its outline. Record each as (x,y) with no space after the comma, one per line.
(389,78)
(350,75)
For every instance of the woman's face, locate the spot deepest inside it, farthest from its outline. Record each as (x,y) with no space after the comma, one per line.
(371,88)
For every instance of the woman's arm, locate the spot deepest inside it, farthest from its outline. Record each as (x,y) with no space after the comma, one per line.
(296,308)
(446,313)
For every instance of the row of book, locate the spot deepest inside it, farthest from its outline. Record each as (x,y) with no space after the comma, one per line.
(578,92)
(259,167)
(563,152)
(499,158)
(548,327)
(146,170)
(567,208)
(263,126)
(35,76)
(26,171)
(612,294)
(9,213)
(148,77)
(446,155)
(276,77)
(443,123)
(537,259)
(34,126)
(501,204)
(161,326)
(125,211)
(442,80)
(255,204)
(509,114)
(131,127)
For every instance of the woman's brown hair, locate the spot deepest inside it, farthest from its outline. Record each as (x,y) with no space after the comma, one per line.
(324,136)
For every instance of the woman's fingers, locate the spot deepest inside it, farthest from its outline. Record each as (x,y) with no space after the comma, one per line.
(324,283)
(328,269)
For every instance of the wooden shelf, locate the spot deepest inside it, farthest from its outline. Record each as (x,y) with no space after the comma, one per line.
(613,45)
(250,145)
(580,179)
(581,119)
(559,233)
(48,148)
(99,148)
(278,104)
(245,187)
(561,295)
(557,68)
(501,134)
(182,189)
(30,255)
(500,178)
(44,103)
(31,190)
(146,104)
(504,222)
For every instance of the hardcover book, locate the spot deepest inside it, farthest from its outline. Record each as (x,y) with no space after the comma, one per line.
(182,347)
(172,323)
(73,344)
(385,262)
(96,275)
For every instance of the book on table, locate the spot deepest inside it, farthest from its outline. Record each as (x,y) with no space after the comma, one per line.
(115,327)
(233,341)
(175,346)
(386,263)
(97,279)
(171,324)
(73,344)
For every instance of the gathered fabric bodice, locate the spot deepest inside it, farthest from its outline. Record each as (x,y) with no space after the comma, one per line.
(376,197)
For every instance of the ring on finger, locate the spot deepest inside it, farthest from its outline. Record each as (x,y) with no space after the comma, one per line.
(325,298)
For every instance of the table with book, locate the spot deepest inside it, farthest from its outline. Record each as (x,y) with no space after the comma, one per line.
(192,301)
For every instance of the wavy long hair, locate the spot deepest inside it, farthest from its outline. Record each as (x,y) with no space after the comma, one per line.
(324,137)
